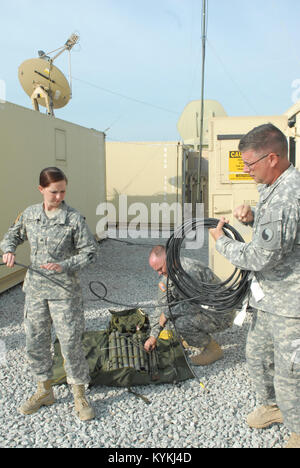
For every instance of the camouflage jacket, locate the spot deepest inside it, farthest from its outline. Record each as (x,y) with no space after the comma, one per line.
(196,269)
(274,252)
(64,239)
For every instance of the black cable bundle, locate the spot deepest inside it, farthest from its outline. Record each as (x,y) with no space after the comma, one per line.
(209,297)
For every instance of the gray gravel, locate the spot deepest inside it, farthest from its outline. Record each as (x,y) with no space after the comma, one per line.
(179,416)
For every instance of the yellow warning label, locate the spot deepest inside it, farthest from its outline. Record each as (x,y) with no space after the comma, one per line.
(236,165)
(235,161)
(235,154)
(240,177)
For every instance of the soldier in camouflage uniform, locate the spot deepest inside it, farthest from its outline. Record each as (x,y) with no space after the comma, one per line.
(273,255)
(61,244)
(193,326)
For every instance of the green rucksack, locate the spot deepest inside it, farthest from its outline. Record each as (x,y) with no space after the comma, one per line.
(129,321)
(116,356)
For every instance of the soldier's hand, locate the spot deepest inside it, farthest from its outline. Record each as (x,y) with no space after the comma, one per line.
(218,232)
(162,320)
(150,343)
(9,259)
(52,267)
(244,213)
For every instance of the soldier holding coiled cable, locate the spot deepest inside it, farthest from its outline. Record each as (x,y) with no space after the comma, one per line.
(273,255)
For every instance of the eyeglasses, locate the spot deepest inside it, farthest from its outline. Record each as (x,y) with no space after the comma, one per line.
(259,159)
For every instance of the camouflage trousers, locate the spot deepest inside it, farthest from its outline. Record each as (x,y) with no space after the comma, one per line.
(196,327)
(67,316)
(273,356)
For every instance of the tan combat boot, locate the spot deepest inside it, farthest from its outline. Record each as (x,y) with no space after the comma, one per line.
(82,407)
(187,346)
(264,416)
(294,441)
(212,353)
(43,397)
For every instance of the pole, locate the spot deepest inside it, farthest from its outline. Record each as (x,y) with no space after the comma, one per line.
(199,197)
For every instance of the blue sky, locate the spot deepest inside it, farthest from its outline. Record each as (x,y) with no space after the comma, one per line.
(139,61)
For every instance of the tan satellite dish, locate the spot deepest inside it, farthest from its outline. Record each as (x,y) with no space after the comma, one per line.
(44,83)
(38,76)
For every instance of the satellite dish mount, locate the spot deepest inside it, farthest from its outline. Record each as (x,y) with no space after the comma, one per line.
(44,83)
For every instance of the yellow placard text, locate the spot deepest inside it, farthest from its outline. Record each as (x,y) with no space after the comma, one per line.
(236,166)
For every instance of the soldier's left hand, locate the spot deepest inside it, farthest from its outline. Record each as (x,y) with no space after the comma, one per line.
(218,232)
(52,267)
(150,343)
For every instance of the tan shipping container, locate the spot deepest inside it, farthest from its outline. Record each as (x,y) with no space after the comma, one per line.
(143,173)
(31,141)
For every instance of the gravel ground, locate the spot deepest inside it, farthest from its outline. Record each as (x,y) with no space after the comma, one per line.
(179,416)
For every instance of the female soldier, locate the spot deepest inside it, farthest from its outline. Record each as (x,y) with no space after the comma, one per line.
(61,244)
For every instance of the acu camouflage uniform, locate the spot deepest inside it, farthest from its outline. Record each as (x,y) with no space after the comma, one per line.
(64,239)
(193,326)
(273,347)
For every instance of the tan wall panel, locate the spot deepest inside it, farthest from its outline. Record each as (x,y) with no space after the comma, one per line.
(146,172)
(31,141)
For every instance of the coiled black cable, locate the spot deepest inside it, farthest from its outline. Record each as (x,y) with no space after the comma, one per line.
(211,298)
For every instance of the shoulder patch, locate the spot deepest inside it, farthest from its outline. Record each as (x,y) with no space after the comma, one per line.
(267,234)
(162,286)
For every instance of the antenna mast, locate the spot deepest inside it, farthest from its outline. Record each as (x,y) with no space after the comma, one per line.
(199,196)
